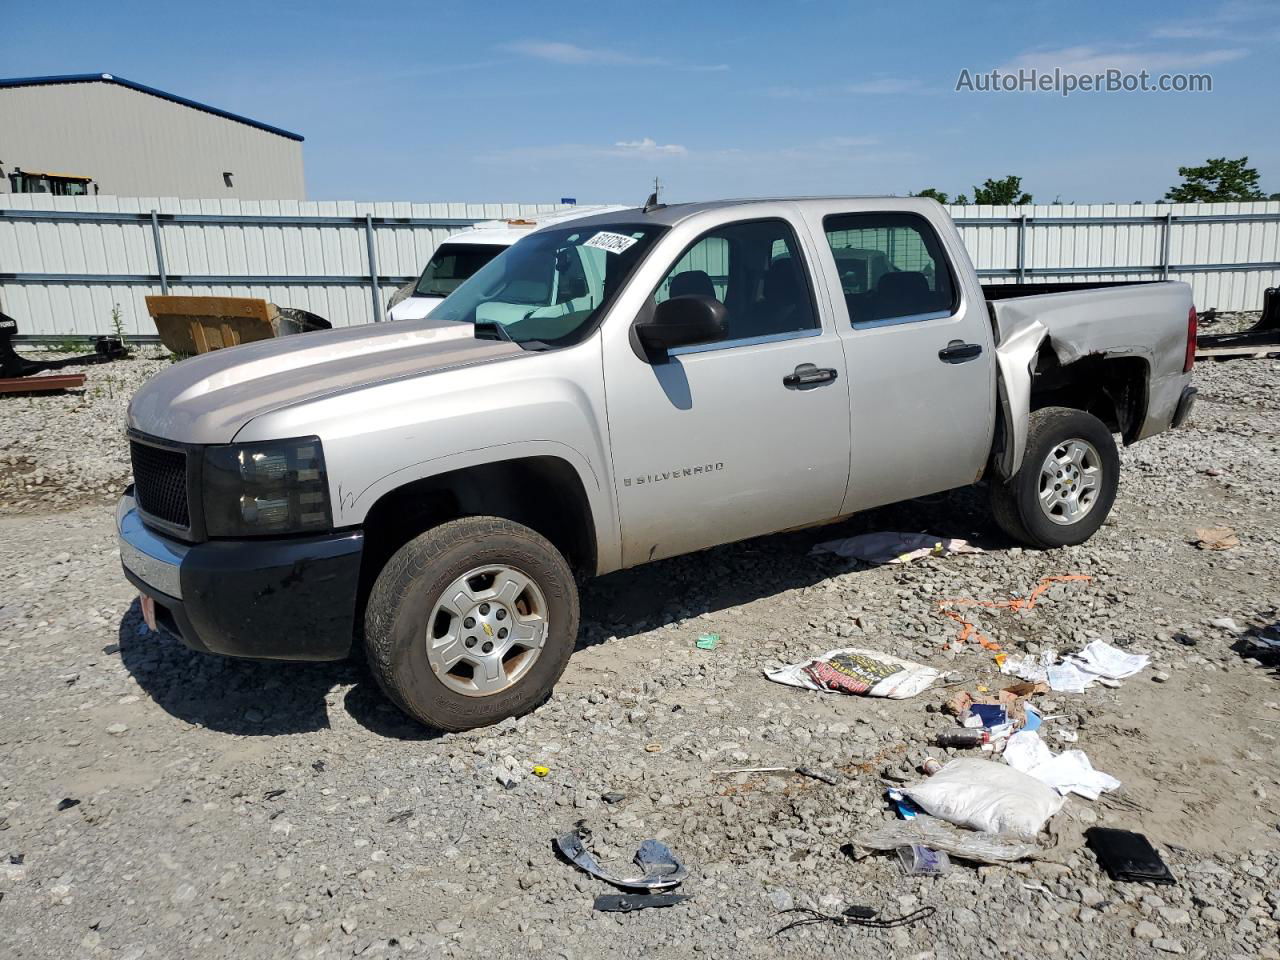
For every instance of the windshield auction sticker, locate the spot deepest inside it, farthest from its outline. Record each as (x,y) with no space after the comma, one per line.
(610,242)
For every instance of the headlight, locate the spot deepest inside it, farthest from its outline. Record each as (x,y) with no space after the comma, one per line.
(266,489)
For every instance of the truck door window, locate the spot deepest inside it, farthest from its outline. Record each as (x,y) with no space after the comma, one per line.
(891,267)
(755,269)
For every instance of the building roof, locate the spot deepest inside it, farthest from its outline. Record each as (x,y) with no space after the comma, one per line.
(143,88)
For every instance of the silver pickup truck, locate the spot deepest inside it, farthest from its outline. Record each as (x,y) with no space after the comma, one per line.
(618,389)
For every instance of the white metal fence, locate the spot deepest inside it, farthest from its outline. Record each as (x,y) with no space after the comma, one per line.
(66,262)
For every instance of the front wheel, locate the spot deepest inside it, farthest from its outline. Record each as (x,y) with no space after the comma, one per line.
(1067,483)
(471,622)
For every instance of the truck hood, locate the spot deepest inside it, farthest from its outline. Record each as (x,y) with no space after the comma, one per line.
(209,398)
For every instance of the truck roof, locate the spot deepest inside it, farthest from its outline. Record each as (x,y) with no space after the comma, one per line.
(674,213)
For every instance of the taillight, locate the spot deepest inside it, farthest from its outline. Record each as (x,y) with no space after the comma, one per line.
(1192,323)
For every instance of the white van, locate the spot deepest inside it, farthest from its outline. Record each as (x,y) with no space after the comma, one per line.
(462,254)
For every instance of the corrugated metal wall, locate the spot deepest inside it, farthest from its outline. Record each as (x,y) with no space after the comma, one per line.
(132,142)
(1068,251)
(297,251)
(72,273)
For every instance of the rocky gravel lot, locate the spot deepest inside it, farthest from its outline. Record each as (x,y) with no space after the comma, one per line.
(238,809)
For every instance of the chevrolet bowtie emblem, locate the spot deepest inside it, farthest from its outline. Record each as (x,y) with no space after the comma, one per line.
(487,629)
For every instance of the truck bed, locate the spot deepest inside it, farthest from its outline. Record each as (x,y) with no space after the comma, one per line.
(1007,291)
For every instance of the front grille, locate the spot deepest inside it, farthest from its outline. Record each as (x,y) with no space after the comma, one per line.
(160,482)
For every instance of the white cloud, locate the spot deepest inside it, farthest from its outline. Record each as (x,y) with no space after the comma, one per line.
(1242,21)
(873,87)
(571,53)
(649,146)
(553,51)
(882,85)
(1085,59)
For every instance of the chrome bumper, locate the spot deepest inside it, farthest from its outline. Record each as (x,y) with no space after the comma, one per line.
(153,559)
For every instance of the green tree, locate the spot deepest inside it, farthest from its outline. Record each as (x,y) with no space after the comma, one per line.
(1006,191)
(932,193)
(1219,179)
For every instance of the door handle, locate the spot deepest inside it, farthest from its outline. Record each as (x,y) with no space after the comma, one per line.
(957,351)
(807,375)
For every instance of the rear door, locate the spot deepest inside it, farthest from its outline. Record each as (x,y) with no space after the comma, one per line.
(918,349)
(723,441)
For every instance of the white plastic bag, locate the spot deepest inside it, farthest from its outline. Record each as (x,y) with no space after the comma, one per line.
(1066,772)
(989,796)
(854,670)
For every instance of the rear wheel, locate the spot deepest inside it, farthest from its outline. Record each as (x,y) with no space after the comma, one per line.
(1067,483)
(471,622)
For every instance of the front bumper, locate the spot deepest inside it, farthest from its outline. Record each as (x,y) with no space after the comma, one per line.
(285,599)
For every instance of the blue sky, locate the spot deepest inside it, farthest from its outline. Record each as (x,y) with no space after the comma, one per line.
(534,101)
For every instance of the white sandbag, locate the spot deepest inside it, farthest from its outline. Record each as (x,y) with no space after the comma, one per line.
(989,796)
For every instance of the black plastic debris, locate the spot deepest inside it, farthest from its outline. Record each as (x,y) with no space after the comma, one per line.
(17,859)
(855,916)
(613,796)
(273,794)
(628,902)
(1127,856)
(318,766)
(66,803)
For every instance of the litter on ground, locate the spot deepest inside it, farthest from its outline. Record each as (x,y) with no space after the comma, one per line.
(1067,772)
(660,868)
(987,796)
(858,671)
(881,548)
(968,631)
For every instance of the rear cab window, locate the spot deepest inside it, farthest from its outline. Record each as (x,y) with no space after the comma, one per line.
(892,267)
(451,264)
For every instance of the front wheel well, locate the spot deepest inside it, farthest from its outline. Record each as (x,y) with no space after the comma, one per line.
(1113,389)
(542,493)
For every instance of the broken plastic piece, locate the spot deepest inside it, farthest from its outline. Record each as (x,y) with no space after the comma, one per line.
(627,902)
(917,860)
(707,641)
(660,867)
(541,771)
(66,803)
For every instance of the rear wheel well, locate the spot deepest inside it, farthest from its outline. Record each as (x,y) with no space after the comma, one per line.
(1113,389)
(543,493)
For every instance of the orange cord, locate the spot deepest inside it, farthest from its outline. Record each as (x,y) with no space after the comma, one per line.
(969,631)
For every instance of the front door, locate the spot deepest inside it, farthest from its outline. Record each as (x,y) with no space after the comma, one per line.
(725,441)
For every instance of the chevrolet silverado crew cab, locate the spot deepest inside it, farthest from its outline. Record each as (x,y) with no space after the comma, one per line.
(615,390)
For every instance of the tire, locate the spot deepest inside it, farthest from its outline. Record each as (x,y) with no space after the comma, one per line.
(413,629)
(1074,509)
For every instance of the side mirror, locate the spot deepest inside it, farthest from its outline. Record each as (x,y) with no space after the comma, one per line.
(681,322)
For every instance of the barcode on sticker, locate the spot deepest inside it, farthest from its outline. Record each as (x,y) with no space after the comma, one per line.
(610,242)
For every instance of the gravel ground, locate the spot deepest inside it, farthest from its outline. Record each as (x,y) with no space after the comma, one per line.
(238,809)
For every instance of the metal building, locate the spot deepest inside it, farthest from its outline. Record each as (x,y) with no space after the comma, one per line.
(97,133)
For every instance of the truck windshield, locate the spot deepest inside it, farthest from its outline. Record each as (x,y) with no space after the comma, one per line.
(451,264)
(549,288)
